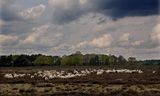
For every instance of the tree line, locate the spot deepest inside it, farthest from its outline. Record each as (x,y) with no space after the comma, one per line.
(76,59)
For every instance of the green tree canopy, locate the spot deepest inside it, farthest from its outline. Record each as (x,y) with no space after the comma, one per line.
(44,60)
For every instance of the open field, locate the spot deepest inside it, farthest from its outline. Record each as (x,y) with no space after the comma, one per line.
(80,81)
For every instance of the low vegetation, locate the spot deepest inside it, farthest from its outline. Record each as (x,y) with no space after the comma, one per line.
(79,81)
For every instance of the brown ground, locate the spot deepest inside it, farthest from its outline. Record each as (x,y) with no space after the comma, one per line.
(113,84)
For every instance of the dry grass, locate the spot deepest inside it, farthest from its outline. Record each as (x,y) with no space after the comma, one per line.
(113,84)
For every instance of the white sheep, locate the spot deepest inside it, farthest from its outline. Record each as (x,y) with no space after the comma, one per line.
(8,76)
(153,72)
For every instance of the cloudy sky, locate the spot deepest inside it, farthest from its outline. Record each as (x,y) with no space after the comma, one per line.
(58,27)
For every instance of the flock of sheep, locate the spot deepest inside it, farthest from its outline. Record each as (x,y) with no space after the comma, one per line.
(51,74)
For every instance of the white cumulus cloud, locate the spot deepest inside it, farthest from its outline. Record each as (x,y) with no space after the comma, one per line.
(137,43)
(83,1)
(124,39)
(101,42)
(155,35)
(33,12)
(36,33)
(62,3)
(7,39)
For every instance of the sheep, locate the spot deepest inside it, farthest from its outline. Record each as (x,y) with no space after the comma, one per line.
(153,72)
(8,76)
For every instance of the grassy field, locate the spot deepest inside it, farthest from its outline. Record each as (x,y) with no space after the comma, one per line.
(80,81)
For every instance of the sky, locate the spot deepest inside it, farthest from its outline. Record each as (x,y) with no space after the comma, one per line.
(61,27)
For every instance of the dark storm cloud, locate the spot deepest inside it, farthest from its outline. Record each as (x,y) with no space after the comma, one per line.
(8,12)
(122,8)
(16,28)
(61,16)
(116,9)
